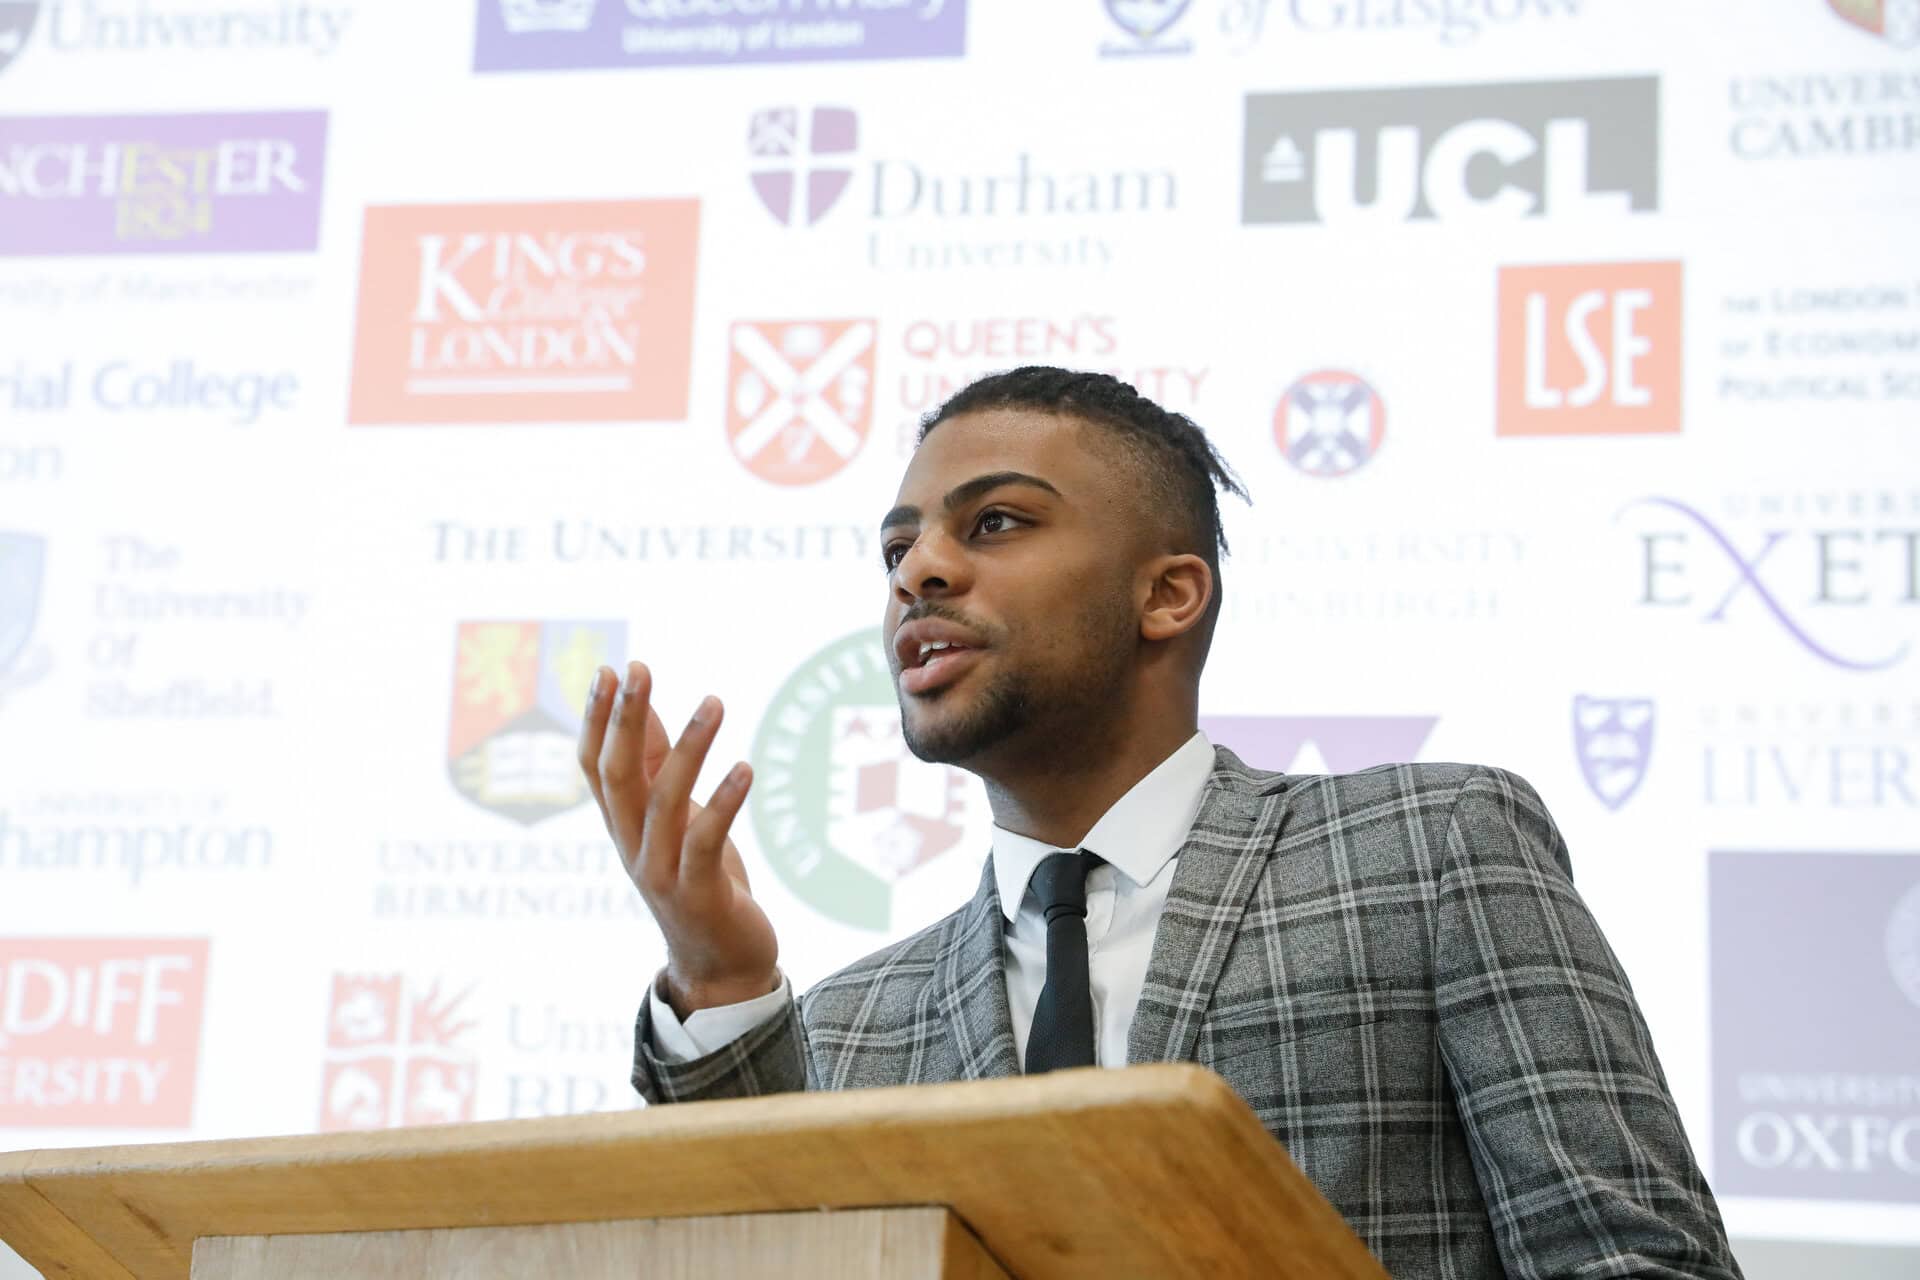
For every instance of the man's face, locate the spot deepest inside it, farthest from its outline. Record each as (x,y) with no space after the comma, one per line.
(1011,614)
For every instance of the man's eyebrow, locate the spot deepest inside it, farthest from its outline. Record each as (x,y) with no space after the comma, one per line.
(967,491)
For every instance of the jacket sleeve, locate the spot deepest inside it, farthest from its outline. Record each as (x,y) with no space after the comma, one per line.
(770,1058)
(1575,1138)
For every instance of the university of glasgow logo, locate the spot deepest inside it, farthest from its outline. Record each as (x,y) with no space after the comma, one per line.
(1330,423)
(16,24)
(842,809)
(1614,739)
(799,396)
(396,1055)
(798,178)
(23,559)
(1896,21)
(1146,21)
(519,690)
(521,16)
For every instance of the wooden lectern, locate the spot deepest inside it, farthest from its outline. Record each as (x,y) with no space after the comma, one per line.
(1152,1172)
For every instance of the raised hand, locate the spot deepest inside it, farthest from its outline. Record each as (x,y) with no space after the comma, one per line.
(721,947)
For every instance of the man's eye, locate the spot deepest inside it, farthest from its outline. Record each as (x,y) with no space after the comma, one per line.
(994,522)
(892,554)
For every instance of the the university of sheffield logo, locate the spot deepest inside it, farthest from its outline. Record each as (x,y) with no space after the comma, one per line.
(23,558)
(1147,23)
(799,178)
(799,396)
(16,24)
(842,810)
(1475,152)
(519,690)
(1872,569)
(1330,423)
(1895,21)
(1613,737)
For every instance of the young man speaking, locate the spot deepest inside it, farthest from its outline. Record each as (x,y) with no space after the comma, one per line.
(1392,967)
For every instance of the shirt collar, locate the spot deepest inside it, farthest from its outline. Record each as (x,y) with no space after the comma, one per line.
(1138,835)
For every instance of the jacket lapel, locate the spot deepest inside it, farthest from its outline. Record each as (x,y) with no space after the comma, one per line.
(1224,856)
(971,987)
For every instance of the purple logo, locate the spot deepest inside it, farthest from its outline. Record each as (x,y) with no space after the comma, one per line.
(1331,744)
(161,184)
(1330,423)
(1146,21)
(552,35)
(798,179)
(1614,739)
(16,24)
(1846,569)
(1815,1017)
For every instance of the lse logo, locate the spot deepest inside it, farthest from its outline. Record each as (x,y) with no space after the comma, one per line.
(1592,349)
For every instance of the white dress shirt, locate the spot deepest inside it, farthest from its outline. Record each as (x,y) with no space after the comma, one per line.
(1137,838)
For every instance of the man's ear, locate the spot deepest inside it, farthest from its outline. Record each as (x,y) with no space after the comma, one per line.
(1179,589)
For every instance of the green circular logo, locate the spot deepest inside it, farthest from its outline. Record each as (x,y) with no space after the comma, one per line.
(842,809)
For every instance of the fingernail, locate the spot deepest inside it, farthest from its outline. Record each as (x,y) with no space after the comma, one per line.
(704,712)
(737,776)
(599,683)
(633,680)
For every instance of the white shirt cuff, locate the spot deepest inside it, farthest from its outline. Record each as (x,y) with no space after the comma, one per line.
(709,1030)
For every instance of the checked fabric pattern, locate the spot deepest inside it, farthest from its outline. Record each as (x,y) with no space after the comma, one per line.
(1395,971)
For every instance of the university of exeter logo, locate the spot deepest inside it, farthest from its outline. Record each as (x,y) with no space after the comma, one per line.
(396,1055)
(1895,21)
(842,809)
(1614,739)
(799,396)
(519,691)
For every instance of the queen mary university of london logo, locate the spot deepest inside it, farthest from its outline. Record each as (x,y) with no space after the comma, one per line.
(842,810)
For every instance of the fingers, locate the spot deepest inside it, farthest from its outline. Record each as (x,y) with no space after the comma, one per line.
(593,732)
(620,765)
(702,859)
(655,754)
(672,792)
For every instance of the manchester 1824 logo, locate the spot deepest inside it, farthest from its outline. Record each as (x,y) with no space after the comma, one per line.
(1330,423)
(519,688)
(842,809)
(801,162)
(799,396)
(576,312)
(397,1054)
(1896,21)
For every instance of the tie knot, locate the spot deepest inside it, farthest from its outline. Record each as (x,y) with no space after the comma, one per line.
(1060,882)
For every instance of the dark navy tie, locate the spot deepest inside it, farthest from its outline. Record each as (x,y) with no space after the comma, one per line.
(1062,1034)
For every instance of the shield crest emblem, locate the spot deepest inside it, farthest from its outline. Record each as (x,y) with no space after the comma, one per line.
(1145,19)
(1896,21)
(519,689)
(1614,739)
(23,559)
(1330,423)
(16,24)
(799,179)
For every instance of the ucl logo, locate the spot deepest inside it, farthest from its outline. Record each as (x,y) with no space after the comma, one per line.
(1814,583)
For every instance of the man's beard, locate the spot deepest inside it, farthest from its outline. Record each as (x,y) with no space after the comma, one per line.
(1015,702)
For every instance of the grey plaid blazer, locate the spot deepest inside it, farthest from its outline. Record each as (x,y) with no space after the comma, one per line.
(1393,968)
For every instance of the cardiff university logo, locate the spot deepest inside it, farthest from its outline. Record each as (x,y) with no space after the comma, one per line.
(1320,744)
(1590,349)
(1613,737)
(1146,21)
(1330,423)
(16,24)
(798,181)
(23,559)
(799,396)
(521,16)
(842,809)
(519,688)
(396,1055)
(1895,21)
(100,1032)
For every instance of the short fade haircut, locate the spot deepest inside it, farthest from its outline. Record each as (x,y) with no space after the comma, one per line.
(1183,471)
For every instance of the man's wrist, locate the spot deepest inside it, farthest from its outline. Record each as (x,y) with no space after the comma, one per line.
(687,997)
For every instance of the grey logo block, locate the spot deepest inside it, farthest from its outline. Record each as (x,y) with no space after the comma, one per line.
(1482,152)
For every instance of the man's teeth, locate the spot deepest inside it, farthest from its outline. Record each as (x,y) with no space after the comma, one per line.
(932,646)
